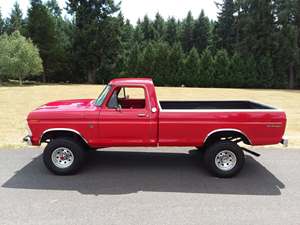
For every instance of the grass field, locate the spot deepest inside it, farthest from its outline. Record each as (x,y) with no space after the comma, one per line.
(17,102)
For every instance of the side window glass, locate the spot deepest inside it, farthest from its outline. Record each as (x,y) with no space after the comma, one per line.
(113,101)
(122,93)
(135,93)
(127,98)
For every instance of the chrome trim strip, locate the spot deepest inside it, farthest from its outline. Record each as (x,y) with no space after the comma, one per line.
(226,129)
(62,129)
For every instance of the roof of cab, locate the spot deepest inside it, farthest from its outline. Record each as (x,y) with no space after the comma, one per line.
(131,81)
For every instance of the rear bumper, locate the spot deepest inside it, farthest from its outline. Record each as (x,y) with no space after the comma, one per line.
(27,139)
(285,142)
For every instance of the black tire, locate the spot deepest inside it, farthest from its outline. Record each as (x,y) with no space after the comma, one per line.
(228,151)
(74,147)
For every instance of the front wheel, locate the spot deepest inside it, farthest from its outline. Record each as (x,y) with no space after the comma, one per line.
(224,159)
(63,156)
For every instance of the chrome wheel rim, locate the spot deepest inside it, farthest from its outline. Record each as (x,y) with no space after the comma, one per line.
(225,160)
(62,157)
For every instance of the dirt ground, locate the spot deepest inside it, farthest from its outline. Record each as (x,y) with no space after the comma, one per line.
(17,102)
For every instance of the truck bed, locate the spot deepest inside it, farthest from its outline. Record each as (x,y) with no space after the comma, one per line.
(213,105)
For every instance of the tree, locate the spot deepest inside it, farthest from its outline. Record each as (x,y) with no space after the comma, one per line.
(187,37)
(161,64)
(286,54)
(221,67)
(42,33)
(2,24)
(148,29)
(54,8)
(15,21)
(201,32)
(207,72)
(96,41)
(175,65)
(192,68)
(134,61)
(171,31)
(147,63)
(19,57)
(255,25)
(238,72)
(159,27)
(60,63)
(127,40)
(138,35)
(225,27)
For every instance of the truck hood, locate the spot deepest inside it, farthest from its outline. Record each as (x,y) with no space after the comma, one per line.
(65,110)
(66,105)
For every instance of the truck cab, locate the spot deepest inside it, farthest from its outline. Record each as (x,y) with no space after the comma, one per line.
(129,114)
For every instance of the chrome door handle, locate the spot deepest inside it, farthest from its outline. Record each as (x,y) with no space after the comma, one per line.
(142,115)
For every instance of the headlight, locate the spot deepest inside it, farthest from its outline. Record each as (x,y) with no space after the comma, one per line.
(28,129)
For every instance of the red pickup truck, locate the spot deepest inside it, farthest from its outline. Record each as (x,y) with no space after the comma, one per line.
(127,113)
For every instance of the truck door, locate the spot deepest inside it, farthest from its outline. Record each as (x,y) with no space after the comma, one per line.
(126,120)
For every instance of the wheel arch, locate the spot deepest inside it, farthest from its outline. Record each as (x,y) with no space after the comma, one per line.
(62,132)
(220,134)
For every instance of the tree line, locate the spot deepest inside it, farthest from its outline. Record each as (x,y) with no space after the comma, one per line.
(253,43)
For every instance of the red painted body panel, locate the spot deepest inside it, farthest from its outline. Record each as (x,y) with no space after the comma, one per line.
(193,128)
(101,126)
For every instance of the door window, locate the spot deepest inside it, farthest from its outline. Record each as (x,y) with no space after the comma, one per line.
(128,98)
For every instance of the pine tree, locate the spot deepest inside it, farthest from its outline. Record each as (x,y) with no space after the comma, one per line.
(201,32)
(297,23)
(221,67)
(237,71)
(161,66)
(15,20)
(148,60)
(134,62)
(286,53)
(187,37)
(206,71)
(171,31)
(192,68)
(138,35)
(147,29)
(1,23)
(42,34)
(96,41)
(225,28)
(159,27)
(54,8)
(127,41)
(176,65)
(249,68)
(61,63)
(255,25)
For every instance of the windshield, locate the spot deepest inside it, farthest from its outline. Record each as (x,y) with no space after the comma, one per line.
(102,96)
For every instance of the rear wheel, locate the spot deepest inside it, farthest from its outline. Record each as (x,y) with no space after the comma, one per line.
(224,159)
(63,156)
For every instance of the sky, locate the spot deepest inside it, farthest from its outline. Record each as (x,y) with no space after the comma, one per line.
(134,9)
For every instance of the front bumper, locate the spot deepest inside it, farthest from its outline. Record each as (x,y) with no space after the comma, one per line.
(285,142)
(27,139)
